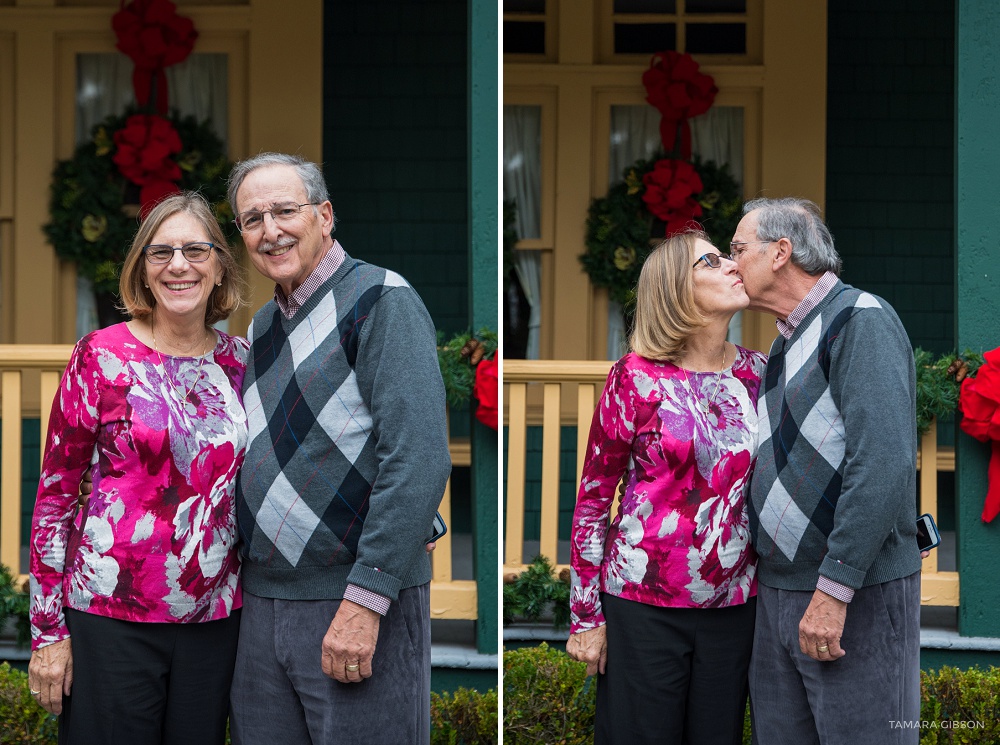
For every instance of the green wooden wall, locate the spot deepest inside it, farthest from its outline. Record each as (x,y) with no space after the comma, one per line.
(890,157)
(395,143)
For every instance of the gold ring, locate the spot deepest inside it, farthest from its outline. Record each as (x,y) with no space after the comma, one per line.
(353,668)
(824,648)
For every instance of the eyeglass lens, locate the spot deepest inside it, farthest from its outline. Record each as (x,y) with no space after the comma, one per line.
(254,219)
(194,252)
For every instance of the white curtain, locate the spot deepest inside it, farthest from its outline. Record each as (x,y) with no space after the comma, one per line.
(197,87)
(635,133)
(522,184)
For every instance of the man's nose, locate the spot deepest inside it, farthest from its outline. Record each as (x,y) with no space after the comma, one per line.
(271,228)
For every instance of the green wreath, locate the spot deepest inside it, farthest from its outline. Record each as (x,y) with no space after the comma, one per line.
(93,206)
(620,228)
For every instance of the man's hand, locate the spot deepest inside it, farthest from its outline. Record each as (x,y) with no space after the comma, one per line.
(590,646)
(350,641)
(821,627)
(86,486)
(50,673)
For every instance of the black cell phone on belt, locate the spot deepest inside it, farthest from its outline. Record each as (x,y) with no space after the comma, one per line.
(438,528)
(928,536)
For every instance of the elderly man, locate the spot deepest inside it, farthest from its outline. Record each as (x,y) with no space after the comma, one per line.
(346,463)
(832,513)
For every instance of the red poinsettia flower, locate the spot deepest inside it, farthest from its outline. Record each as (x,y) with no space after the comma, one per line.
(670,193)
(143,155)
(979,402)
(679,91)
(486,391)
(154,36)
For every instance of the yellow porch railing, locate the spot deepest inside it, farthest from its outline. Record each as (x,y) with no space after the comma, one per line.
(29,378)
(553,394)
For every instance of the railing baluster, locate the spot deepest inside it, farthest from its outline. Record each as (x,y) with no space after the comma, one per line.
(928,486)
(10,463)
(549,538)
(517,432)
(49,385)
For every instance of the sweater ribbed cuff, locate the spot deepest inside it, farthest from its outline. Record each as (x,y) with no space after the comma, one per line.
(375,581)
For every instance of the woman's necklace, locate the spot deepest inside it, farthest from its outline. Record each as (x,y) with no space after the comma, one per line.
(182,399)
(705,406)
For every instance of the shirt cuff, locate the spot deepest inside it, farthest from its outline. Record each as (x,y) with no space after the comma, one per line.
(371,600)
(835,589)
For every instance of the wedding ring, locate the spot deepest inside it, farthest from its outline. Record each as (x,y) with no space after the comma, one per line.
(823,648)
(353,668)
(33,693)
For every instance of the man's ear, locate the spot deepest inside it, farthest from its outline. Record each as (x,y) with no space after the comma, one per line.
(782,254)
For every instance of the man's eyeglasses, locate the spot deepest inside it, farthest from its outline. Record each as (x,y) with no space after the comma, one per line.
(157,253)
(736,248)
(253,220)
(711,260)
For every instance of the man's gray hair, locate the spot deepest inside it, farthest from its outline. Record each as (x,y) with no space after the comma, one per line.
(309,173)
(800,221)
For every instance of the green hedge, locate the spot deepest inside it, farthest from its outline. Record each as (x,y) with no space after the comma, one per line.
(548,699)
(465,717)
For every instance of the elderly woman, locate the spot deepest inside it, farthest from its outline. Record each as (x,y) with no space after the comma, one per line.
(662,599)
(135,596)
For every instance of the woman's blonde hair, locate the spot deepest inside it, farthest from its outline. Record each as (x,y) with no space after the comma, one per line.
(136,298)
(666,314)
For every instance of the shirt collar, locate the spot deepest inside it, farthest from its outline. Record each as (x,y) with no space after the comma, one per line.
(326,268)
(819,291)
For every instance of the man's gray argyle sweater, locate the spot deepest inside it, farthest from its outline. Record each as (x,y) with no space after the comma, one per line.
(348,451)
(834,487)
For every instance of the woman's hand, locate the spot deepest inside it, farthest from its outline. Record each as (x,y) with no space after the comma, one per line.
(50,673)
(590,646)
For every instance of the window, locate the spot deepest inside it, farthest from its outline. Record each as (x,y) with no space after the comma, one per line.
(529,30)
(726,31)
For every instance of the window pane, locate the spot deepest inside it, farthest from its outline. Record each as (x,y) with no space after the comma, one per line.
(648,38)
(524,37)
(716,38)
(197,86)
(716,6)
(635,134)
(522,167)
(645,6)
(523,6)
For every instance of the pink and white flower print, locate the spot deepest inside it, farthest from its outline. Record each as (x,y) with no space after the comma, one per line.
(680,537)
(156,540)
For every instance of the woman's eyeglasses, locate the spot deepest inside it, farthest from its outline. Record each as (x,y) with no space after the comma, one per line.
(157,253)
(713,261)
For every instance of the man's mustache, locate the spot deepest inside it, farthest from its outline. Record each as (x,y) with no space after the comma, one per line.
(268,246)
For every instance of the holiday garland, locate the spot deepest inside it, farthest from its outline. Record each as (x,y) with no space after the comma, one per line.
(667,194)
(621,230)
(94,205)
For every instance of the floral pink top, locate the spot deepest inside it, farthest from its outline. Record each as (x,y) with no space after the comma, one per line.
(156,539)
(680,538)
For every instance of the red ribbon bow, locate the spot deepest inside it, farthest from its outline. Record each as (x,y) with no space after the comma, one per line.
(486,391)
(670,194)
(143,149)
(979,402)
(676,88)
(155,37)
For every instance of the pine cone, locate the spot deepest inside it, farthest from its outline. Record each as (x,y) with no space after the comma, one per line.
(958,369)
(564,575)
(477,354)
(469,347)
